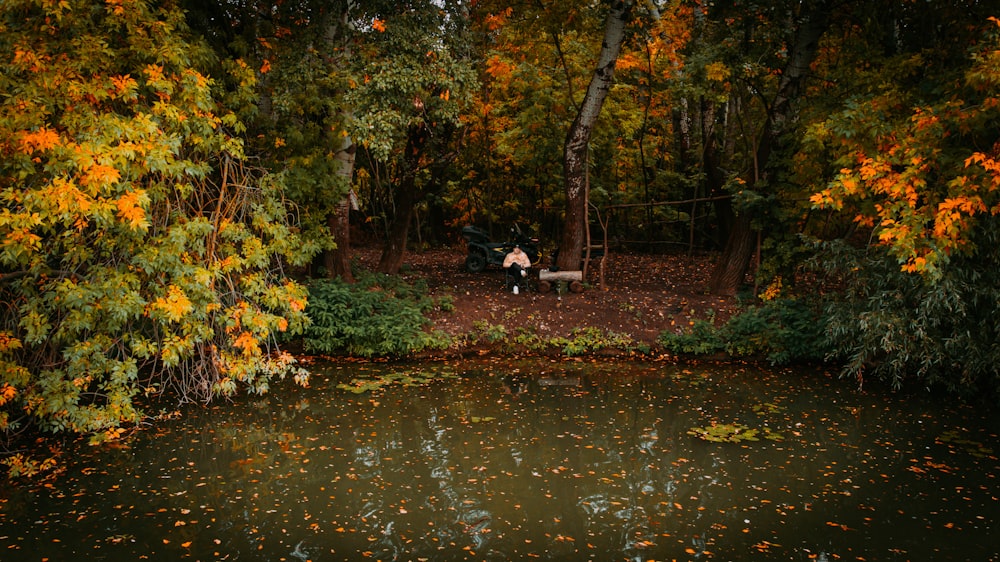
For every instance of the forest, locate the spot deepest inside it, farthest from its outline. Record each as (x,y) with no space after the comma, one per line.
(176,175)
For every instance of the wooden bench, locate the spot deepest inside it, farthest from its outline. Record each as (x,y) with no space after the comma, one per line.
(546,278)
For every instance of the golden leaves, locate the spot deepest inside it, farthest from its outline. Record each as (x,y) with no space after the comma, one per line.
(717,72)
(123,85)
(100,175)
(175,304)
(7,393)
(116,7)
(131,210)
(499,19)
(39,140)
(499,68)
(248,343)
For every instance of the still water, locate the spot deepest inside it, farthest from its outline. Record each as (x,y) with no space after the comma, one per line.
(530,460)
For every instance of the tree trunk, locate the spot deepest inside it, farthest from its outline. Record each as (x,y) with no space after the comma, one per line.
(575,159)
(406,198)
(338,260)
(735,259)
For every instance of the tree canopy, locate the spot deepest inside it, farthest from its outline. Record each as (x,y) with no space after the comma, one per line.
(167,170)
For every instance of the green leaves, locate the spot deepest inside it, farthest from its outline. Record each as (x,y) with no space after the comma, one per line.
(134,242)
(733,433)
(377,316)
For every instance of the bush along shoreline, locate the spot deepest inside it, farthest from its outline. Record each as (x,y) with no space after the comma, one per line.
(387,317)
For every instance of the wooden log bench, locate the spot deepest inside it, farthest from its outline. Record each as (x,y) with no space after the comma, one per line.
(546,278)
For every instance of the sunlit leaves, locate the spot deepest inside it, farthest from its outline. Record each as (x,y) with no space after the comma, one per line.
(118,180)
(914,170)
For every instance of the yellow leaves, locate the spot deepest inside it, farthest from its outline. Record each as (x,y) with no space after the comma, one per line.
(116,7)
(773,290)
(499,68)
(39,140)
(8,342)
(174,305)
(65,199)
(717,72)
(124,85)
(824,199)
(499,19)
(850,185)
(248,343)
(153,72)
(629,61)
(951,218)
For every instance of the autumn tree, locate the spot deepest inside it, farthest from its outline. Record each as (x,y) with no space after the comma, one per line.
(538,64)
(412,79)
(915,157)
(302,55)
(139,251)
(779,89)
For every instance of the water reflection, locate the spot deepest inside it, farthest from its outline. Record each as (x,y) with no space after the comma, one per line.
(537,460)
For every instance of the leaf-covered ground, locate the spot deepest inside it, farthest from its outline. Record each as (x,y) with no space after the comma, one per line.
(644,295)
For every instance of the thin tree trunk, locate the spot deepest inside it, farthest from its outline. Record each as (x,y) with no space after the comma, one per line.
(575,158)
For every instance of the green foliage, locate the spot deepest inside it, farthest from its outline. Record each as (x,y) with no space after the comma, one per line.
(361,385)
(702,339)
(138,252)
(377,316)
(733,433)
(483,331)
(899,327)
(580,342)
(783,330)
(590,340)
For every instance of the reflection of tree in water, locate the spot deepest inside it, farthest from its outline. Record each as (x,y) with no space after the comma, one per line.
(581,464)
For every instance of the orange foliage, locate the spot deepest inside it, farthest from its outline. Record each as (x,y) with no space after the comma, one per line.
(130,209)
(100,175)
(39,140)
(248,343)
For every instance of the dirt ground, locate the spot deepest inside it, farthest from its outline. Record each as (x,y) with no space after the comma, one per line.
(644,295)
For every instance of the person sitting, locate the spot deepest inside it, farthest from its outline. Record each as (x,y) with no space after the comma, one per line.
(516,264)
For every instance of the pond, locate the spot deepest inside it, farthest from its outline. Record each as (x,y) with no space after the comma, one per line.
(531,460)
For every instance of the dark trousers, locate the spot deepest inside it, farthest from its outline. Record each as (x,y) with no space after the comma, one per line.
(514,276)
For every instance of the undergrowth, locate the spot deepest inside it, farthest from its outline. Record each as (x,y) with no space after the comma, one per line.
(580,342)
(377,316)
(784,331)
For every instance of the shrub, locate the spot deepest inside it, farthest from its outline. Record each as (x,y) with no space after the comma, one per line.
(377,316)
(783,330)
(589,340)
(896,326)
